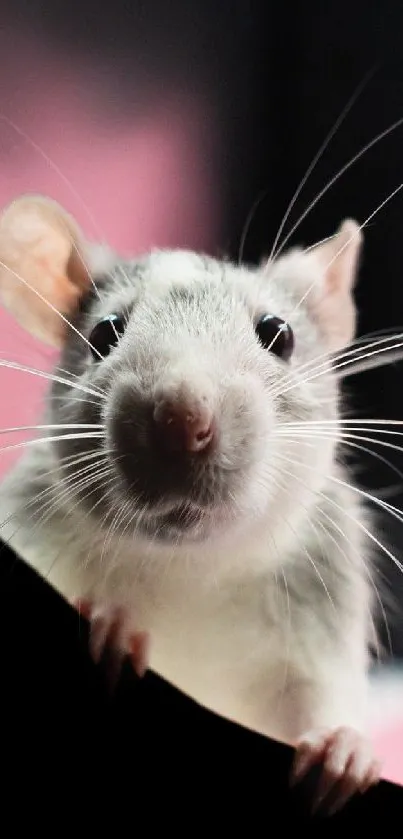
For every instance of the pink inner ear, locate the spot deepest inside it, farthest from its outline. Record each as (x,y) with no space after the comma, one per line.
(336,316)
(339,257)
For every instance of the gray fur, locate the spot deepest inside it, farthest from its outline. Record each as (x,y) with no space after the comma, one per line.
(258,598)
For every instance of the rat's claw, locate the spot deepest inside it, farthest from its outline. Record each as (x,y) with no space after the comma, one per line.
(107,633)
(109,638)
(139,645)
(348,766)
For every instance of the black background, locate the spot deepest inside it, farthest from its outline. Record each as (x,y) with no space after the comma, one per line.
(279,75)
(146,756)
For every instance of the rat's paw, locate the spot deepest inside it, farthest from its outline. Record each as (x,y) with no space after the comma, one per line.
(347,764)
(110,639)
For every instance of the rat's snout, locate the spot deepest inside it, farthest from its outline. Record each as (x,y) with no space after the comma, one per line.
(183,420)
(184,445)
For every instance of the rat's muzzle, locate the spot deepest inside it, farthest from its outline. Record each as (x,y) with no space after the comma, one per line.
(166,446)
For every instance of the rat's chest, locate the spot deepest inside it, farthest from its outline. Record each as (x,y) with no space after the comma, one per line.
(226,645)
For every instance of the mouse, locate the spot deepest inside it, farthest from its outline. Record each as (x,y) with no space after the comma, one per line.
(176,492)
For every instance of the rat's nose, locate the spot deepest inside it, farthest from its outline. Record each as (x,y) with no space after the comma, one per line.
(182,426)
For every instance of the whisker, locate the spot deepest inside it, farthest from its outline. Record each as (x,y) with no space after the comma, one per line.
(338,432)
(52,165)
(74,399)
(70,490)
(117,523)
(117,518)
(326,357)
(11,365)
(364,567)
(383,134)
(69,373)
(339,121)
(311,562)
(52,307)
(374,363)
(355,551)
(54,502)
(49,427)
(90,512)
(377,209)
(343,439)
(103,487)
(365,530)
(38,440)
(368,496)
(262,195)
(49,570)
(377,352)
(69,460)
(72,460)
(367,573)
(288,642)
(73,482)
(323,369)
(365,223)
(341,421)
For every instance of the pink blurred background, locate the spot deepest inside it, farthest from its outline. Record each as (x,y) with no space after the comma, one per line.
(133,177)
(137,177)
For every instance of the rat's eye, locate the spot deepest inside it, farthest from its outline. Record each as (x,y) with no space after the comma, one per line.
(275,335)
(105,335)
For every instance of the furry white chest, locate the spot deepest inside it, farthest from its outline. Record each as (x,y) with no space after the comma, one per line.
(241,644)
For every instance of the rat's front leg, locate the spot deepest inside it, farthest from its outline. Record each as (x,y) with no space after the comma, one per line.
(348,765)
(332,736)
(111,639)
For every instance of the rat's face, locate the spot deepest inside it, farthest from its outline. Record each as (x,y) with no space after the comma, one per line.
(194,372)
(199,368)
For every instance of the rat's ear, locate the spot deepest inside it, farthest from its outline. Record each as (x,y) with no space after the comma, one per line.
(338,262)
(42,266)
(339,257)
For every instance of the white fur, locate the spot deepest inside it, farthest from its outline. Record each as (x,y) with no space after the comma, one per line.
(243,622)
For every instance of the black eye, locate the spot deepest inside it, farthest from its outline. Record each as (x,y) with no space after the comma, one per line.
(275,335)
(105,336)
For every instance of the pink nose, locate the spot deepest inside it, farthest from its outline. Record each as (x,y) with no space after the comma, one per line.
(183,429)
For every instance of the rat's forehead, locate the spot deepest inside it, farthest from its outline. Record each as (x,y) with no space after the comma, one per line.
(185,275)
(181,270)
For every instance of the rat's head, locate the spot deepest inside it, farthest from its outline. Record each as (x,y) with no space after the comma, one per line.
(190,368)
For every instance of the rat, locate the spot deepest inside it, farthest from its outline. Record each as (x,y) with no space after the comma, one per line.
(169,495)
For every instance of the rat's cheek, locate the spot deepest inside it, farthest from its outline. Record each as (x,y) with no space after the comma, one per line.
(126,416)
(247,421)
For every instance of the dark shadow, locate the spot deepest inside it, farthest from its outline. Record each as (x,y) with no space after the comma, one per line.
(148,757)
